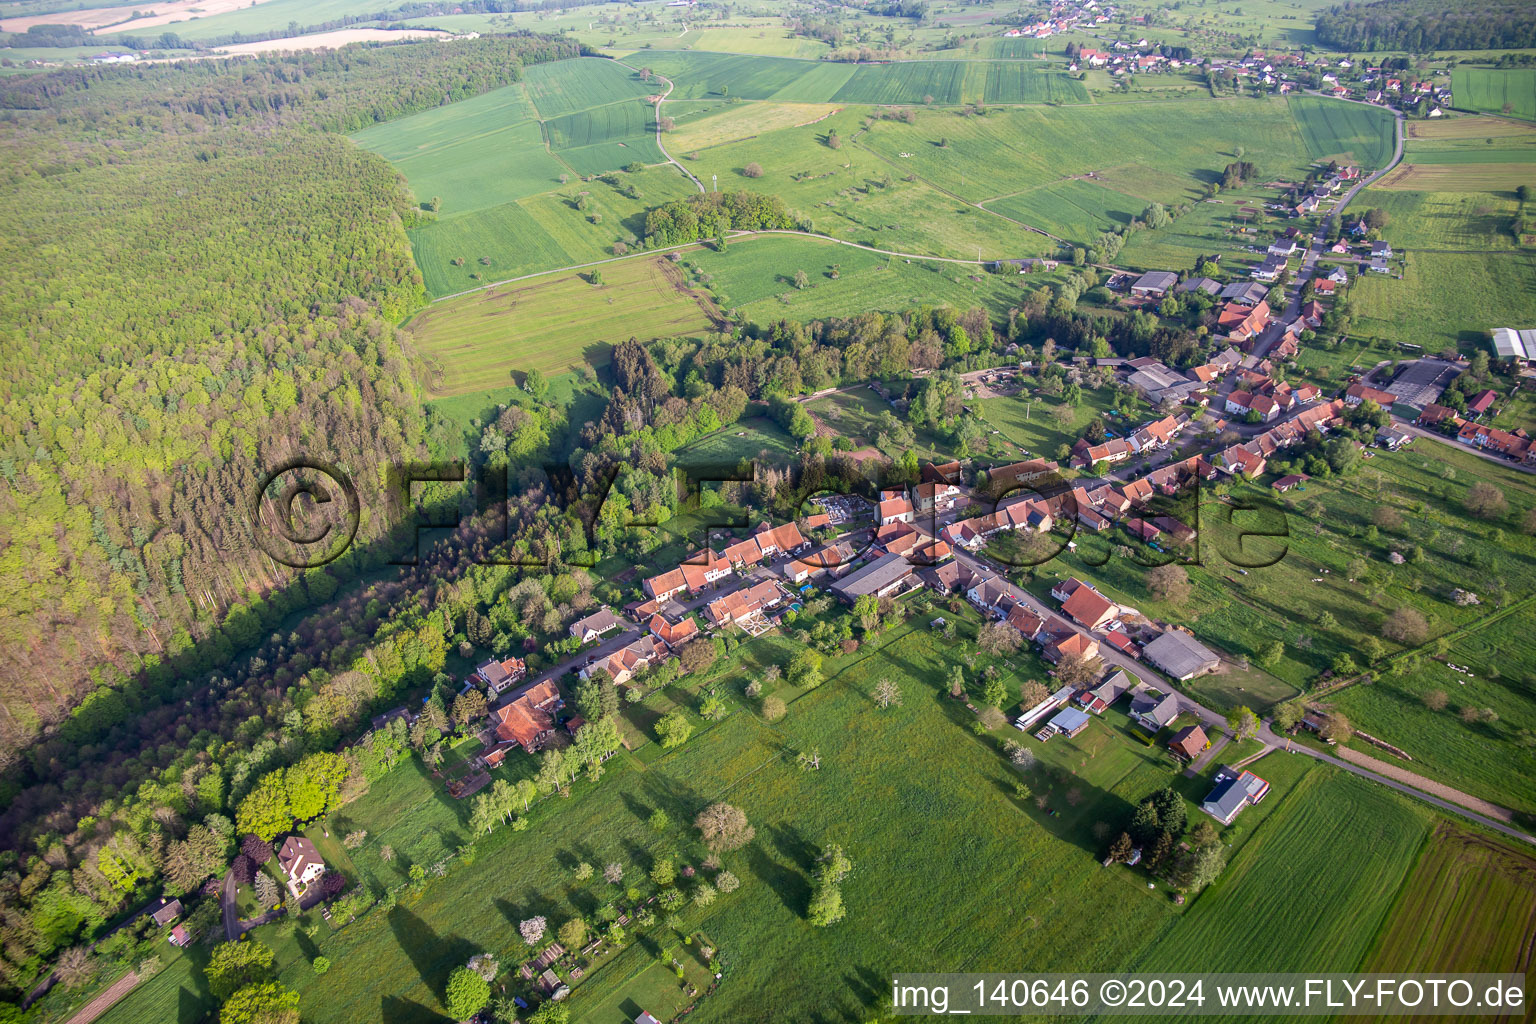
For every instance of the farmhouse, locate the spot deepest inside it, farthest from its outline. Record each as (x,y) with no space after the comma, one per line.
(991,594)
(301,862)
(1089,607)
(1289,481)
(1105,694)
(166,912)
(1180,655)
(673,634)
(740,606)
(1269,270)
(595,625)
(1481,402)
(621,665)
(1233,791)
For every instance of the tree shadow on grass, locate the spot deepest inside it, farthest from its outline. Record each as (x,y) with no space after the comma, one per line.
(786,881)
(434,956)
(402,1011)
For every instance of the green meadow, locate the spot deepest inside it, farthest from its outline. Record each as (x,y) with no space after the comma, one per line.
(1447,300)
(1511,91)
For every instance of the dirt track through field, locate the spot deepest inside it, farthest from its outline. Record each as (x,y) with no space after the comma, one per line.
(1429,786)
(674,275)
(102,1003)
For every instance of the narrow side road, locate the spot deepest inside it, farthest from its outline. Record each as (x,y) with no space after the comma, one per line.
(659,101)
(1280,743)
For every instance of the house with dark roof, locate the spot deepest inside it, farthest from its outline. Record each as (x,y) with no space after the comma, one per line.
(1102,696)
(166,912)
(595,625)
(1154,710)
(1233,791)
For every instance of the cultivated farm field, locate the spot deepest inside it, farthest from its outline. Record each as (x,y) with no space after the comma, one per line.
(1511,91)
(1467,906)
(1310,890)
(554,323)
(566,86)
(1352,132)
(1446,220)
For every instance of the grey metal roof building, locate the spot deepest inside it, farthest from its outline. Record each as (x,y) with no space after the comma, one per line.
(879,577)
(1180,655)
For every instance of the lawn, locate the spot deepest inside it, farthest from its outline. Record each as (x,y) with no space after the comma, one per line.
(754,438)
(1030,420)
(1470,905)
(1447,299)
(1511,92)
(476,341)
(1309,891)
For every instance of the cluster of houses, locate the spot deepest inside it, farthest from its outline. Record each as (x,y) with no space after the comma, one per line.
(1308,199)
(1063,17)
(1517,446)
(1338,77)
(1250,457)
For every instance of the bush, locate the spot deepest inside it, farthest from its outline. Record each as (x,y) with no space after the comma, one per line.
(320,964)
(753,170)
(774,709)
(467,993)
